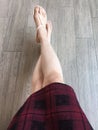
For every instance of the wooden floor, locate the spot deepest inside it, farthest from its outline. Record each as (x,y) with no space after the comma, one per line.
(74,38)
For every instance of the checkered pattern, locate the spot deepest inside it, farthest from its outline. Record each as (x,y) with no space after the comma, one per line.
(54,107)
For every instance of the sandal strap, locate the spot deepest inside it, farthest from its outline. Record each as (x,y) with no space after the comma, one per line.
(40,26)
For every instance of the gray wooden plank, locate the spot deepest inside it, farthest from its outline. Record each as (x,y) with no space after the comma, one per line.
(95,29)
(15,29)
(4,6)
(93,7)
(8,78)
(3,26)
(83,23)
(1,88)
(87,77)
(93,79)
(57,3)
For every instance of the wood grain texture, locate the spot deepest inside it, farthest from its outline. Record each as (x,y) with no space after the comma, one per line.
(3,26)
(95,29)
(15,27)
(83,23)
(87,77)
(93,4)
(74,39)
(9,64)
(58,3)
(4,6)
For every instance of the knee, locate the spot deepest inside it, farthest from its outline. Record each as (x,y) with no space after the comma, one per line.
(53,77)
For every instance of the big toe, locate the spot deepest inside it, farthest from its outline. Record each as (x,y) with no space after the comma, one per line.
(36,17)
(36,9)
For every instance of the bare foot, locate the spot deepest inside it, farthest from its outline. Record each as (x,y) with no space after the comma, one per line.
(44,28)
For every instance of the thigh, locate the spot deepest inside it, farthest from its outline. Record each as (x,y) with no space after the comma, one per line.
(54,77)
(37,85)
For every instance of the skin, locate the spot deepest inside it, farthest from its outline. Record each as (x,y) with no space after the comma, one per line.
(45,72)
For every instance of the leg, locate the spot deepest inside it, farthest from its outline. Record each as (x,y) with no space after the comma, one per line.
(37,78)
(50,64)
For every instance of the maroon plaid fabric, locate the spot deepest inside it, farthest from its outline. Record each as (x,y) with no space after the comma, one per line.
(54,107)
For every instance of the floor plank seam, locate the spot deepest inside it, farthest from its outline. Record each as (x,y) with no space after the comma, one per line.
(11,51)
(84,37)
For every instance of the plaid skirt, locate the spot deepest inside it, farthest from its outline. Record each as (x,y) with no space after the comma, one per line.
(54,107)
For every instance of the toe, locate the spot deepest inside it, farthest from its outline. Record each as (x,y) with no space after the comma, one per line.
(36,10)
(43,11)
(36,16)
